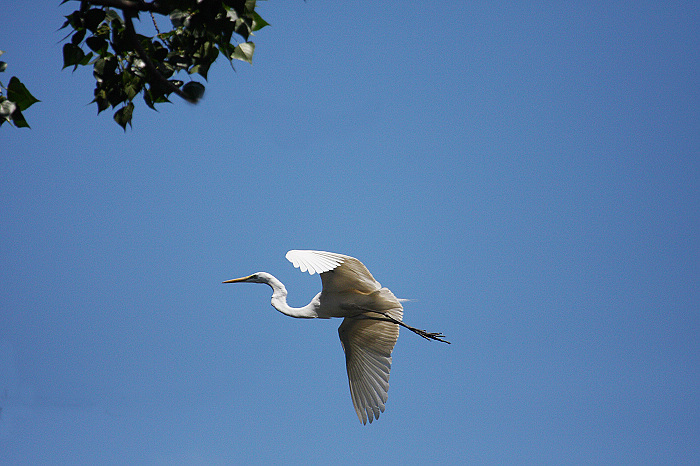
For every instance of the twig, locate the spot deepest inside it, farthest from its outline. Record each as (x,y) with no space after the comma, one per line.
(147,60)
(131,5)
(155,25)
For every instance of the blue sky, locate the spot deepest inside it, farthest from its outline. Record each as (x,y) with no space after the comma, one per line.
(526,173)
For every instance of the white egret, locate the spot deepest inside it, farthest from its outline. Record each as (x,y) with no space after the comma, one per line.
(372,316)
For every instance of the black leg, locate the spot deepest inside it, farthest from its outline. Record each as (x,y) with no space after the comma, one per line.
(423,333)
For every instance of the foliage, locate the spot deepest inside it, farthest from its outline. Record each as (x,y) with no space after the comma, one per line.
(126,64)
(18,98)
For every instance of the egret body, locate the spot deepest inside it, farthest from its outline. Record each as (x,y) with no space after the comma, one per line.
(371,319)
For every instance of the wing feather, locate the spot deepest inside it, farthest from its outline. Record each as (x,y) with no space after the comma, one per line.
(339,273)
(315,261)
(368,344)
(350,291)
(373,389)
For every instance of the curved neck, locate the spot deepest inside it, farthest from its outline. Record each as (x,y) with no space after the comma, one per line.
(279,301)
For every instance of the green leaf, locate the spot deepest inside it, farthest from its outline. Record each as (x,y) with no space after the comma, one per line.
(123,115)
(103,31)
(106,67)
(194,90)
(238,5)
(17,93)
(3,66)
(131,84)
(72,55)
(112,16)
(244,52)
(93,18)
(86,59)
(101,100)
(148,99)
(204,59)
(115,95)
(73,20)
(96,44)
(242,28)
(6,109)
(177,18)
(78,37)
(18,119)
(250,5)
(258,23)
(10,112)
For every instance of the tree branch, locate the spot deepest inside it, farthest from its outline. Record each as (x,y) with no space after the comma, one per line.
(153,71)
(132,5)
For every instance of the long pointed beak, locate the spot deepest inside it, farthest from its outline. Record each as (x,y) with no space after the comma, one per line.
(237,280)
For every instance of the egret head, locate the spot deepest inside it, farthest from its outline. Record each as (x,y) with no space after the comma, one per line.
(260,277)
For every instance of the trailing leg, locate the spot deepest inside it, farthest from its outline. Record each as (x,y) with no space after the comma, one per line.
(423,333)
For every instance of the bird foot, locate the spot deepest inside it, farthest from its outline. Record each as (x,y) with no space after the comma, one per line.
(430,335)
(423,333)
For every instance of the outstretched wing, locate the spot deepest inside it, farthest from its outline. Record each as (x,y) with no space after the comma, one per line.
(339,273)
(367,337)
(368,344)
(315,261)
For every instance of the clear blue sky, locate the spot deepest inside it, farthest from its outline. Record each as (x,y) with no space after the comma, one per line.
(527,173)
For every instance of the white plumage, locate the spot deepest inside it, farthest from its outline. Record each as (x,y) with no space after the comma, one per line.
(371,319)
(315,261)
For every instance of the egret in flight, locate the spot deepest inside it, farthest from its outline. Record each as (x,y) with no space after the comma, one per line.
(371,319)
